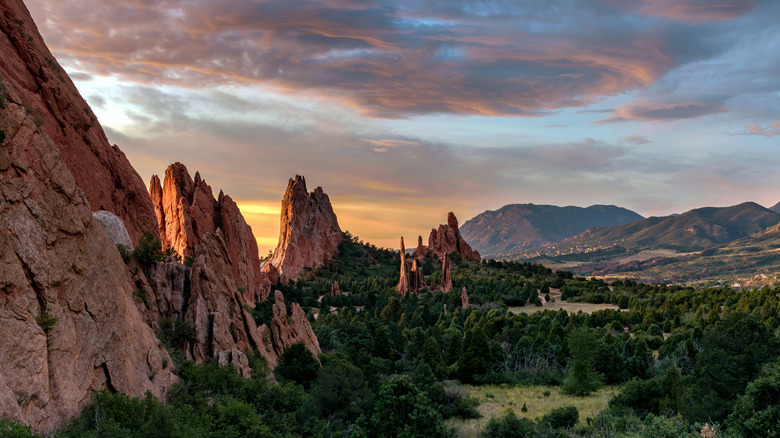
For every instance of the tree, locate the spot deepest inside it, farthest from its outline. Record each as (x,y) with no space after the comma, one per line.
(757,413)
(582,379)
(476,357)
(382,347)
(431,354)
(340,390)
(509,426)
(298,365)
(734,351)
(402,410)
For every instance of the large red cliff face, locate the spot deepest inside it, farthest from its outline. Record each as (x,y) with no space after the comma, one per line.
(309,235)
(186,211)
(42,88)
(68,323)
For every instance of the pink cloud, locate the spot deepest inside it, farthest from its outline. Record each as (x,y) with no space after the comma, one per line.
(662,112)
(698,10)
(771,130)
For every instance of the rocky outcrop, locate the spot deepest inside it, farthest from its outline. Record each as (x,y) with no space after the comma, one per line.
(464,298)
(411,279)
(114,228)
(309,234)
(68,325)
(42,88)
(446,274)
(447,239)
(187,211)
(334,290)
(421,251)
(284,333)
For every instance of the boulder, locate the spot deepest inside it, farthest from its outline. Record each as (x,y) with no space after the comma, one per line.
(114,228)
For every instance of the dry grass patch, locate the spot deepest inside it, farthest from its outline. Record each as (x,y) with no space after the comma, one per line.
(495,400)
(565,305)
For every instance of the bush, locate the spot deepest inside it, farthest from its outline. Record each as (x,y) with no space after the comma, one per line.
(13,429)
(509,426)
(298,365)
(564,417)
(47,320)
(149,250)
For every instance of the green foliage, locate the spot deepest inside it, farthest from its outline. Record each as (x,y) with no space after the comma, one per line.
(582,379)
(139,295)
(563,417)
(176,332)
(402,410)
(47,320)
(340,391)
(297,364)
(13,429)
(510,426)
(477,356)
(189,261)
(382,348)
(149,250)
(757,412)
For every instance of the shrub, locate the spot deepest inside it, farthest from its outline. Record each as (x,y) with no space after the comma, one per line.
(564,417)
(47,320)
(124,251)
(13,429)
(298,365)
(509,426)
(149,250)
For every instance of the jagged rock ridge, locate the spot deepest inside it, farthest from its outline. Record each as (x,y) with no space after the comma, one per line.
(186,211)
(309,234)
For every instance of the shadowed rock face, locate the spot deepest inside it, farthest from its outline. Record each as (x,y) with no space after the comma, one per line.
(187,211)
(309,234)
(446,274)
(41,87)
(68,325)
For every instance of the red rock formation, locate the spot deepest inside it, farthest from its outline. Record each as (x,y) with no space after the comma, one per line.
(68,325)
(447,239)
(334,290)
(464,298)
(186,210)
(446,274)
(411,279)
(416,279)
(309,234)
(421,249)
(403,282)
(43,89)
(284,333)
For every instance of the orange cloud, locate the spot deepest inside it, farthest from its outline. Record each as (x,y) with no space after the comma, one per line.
(662,113)
(771,130)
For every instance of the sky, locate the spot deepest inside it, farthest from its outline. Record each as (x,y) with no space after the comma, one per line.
(405,110)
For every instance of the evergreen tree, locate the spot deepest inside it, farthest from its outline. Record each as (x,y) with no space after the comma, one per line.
(582,379)
(477,356)
(382,347)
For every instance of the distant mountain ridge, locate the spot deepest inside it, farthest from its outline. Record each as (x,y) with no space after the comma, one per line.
(519,226)
(699,227)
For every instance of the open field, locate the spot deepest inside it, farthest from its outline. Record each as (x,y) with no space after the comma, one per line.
(567,306)
(496,400)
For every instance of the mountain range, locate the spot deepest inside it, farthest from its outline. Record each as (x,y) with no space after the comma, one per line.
(519,226)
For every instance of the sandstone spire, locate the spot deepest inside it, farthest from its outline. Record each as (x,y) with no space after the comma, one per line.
(403,282)
(446,274)
(309,234)
(464,298)
(447,239)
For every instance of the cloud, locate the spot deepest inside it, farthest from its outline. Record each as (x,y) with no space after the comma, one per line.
(771,130)
(662,112)
(636,139)
(698,10)
(381,57)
